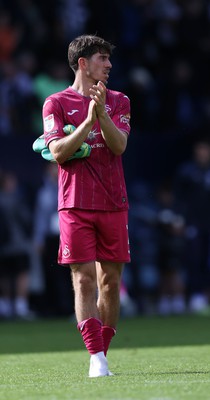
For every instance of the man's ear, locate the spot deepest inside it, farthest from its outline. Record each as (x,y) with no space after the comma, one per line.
(82,62)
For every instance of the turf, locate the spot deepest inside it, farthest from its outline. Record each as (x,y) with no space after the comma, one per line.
(152,359)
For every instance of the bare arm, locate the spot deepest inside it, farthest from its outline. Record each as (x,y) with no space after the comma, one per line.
(115,139)
(62,149)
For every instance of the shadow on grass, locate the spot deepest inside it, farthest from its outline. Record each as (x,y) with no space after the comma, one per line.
(62,335)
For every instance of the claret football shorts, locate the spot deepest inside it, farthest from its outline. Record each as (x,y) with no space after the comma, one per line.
(87,236)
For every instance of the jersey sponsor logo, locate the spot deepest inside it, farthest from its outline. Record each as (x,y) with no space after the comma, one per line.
(66,252)
(72,112)
(97,145)
(125,119)
(49,122)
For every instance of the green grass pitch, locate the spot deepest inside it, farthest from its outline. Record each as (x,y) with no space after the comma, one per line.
(153,358)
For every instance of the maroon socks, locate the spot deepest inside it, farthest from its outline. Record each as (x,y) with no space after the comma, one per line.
(107,332)
(95,336)
(90,330)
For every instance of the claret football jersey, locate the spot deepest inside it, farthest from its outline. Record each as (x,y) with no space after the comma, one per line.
(95,182)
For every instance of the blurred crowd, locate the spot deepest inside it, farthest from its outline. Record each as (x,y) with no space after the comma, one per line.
(162,62)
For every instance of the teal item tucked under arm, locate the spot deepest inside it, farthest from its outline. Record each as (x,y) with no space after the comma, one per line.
(40,147)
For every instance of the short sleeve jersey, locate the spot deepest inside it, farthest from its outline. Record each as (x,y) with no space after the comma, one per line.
(95,182)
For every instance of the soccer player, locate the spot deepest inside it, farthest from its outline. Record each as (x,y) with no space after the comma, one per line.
(92,197)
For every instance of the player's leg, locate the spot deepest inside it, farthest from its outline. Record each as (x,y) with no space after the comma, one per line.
(112,252)
(85,287)
(77,245)
(108,281)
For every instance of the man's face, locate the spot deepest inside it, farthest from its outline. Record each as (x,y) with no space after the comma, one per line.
(98,67)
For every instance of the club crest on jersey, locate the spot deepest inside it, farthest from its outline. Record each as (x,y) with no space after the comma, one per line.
(49,122)
(125,119)
(92,135)
(66,252)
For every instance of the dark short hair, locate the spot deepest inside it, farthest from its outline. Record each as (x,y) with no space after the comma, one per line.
(86,46)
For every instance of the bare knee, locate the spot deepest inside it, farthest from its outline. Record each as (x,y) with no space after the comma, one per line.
(109,278)
(83,278)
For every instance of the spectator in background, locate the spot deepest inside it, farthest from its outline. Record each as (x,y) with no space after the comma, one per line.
(17,101)
(178,109)
(158,234)
(57,290)
(143,279)
(54,78)
(73,17)
(10,35)
(192,185)
(143,90)
(171,249)
(15,250)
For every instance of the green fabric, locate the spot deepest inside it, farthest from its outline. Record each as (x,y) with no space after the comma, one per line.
(46,84)
(39,147)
